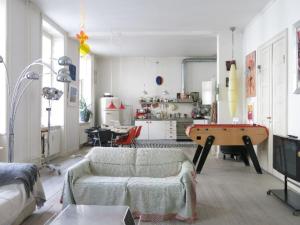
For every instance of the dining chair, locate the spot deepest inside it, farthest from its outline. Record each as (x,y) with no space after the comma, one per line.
(137,134)
(127,140)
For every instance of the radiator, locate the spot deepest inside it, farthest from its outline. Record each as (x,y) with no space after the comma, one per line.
(55,141)
(83,138)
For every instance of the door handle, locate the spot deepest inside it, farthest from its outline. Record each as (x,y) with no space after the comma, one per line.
(269,117)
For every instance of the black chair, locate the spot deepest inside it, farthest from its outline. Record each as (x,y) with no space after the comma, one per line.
(105,137)
(93,136)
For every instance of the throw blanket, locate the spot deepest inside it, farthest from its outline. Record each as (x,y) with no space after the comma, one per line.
(16,173)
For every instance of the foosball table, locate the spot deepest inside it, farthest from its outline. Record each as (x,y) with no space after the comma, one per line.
(226,135)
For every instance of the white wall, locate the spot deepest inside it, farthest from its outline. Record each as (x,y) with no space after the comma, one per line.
(24,29)
(280,15)
(24,46)
(129,74)
(224,41)
(276,18)
(71,128)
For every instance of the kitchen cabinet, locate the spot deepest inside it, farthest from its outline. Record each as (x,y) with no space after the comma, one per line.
(145,129)
(170,130)
(200,121)
(157,129)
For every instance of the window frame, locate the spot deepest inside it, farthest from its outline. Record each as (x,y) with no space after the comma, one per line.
(3,77)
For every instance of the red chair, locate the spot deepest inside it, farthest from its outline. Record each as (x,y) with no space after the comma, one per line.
(137,134)
(129,139)
(138,131)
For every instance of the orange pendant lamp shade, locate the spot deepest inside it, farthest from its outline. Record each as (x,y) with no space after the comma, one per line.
(111,105)
(122,107)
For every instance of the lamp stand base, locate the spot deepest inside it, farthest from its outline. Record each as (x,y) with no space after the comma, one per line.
(52,167)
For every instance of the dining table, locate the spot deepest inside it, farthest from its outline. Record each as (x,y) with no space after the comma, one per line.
(117,131)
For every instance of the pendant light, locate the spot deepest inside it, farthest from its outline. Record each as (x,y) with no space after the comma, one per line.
(122,106)
(145,74)
(144,91)
(111,105)
(232,83)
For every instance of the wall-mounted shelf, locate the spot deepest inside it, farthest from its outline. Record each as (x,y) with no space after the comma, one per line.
(177,102)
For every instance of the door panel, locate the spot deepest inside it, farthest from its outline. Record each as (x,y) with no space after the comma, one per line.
(265,103)
(280,88)
(272,97)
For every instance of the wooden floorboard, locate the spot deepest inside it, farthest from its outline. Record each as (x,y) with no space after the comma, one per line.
(228,193)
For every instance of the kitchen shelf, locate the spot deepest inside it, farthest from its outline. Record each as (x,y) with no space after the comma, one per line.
(177,102)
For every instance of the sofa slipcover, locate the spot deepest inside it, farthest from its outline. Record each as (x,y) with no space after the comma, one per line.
(156,183)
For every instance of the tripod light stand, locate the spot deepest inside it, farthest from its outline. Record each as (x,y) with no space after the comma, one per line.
(51,94)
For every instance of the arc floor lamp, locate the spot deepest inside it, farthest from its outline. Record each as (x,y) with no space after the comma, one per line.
(27,76)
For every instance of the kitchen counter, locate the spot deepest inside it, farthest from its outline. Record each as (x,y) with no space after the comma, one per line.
(171,128)
(170,119)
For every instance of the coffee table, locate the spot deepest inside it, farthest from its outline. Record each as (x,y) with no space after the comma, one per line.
(94,215)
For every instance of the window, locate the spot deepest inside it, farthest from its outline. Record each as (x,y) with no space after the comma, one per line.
(3,83)
(85,79)
(52,47)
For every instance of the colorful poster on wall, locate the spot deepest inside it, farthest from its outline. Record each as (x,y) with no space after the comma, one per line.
(298,55)
(250,114)
(251,75)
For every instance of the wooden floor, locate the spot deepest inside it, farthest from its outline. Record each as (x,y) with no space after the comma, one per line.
(228,193)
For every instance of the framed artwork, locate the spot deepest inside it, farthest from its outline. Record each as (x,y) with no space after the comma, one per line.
(72,95)
(72,69)
(251,75)
(297,26)
(159,80)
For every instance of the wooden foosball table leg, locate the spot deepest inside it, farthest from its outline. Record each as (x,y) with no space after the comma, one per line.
(250,149)
(197,154)
(209,142)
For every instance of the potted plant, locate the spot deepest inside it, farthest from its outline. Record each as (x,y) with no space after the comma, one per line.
(85,112)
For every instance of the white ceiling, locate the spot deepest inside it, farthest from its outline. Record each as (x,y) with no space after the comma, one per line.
(152,27)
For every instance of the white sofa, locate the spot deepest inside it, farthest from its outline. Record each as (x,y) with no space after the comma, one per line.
(157,184)
(15,206)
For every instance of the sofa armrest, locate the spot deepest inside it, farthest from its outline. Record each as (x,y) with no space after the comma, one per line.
(75,172)
(187,172)
(79,169)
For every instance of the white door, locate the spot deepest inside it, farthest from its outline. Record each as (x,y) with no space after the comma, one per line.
(156,130)
(145,129)
(265,102)
(272,99)
(279,87)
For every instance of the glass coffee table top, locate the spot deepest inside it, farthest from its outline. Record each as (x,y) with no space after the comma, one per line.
(94,215)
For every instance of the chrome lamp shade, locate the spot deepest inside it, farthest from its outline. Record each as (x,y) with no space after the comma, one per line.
(64,76)
(52,93)
(64,61)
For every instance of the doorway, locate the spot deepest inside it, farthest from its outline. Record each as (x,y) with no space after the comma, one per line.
(272,94)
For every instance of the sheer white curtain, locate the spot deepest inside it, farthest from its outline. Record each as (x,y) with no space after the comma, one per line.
(3,83)
(52,47)
(85,77)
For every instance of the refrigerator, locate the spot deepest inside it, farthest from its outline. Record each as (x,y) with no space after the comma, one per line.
(110,115)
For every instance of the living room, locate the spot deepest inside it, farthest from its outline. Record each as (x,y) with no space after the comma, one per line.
(175,112)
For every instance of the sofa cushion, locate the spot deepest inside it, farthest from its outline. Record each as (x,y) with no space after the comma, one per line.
(156,195)
(112,161)
(101,190)
(158,162)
